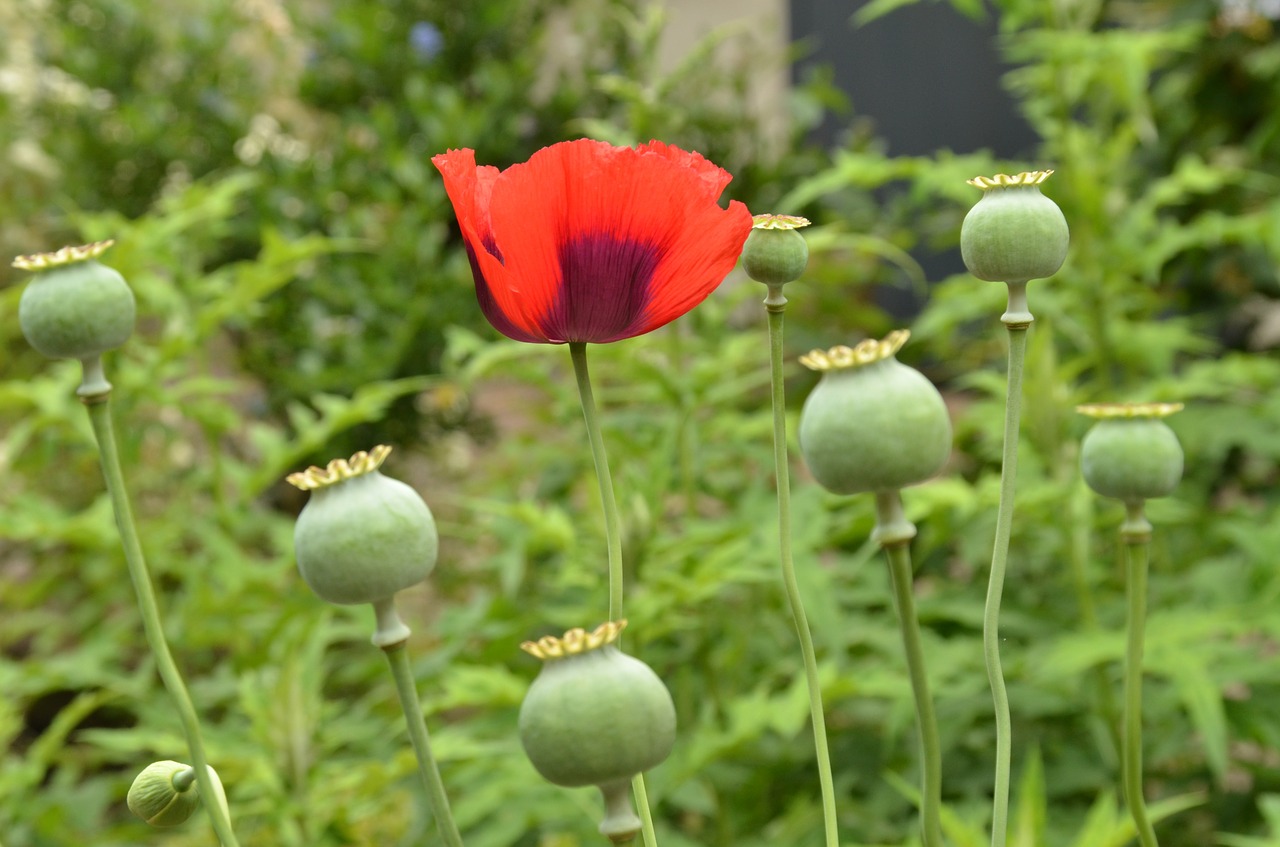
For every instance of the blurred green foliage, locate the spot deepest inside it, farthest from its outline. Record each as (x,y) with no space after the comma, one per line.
(265,170)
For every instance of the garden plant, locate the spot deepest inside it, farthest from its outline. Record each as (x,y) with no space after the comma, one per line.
(954,585)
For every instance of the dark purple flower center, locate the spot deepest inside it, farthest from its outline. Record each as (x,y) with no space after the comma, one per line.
(604,288)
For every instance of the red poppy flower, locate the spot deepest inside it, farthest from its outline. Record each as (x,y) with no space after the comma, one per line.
(591,242)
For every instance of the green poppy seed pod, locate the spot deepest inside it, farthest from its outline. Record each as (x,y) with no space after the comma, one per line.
(596,716)
(775,252)
(1014,233)
(165,793)
(1131,454)
(74,307)
(872,423)
(362,536)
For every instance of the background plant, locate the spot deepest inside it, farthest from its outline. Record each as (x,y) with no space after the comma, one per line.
(269,342)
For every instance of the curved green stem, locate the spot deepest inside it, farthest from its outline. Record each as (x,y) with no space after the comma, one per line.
(1137,539)
(95,393)
(407,689)
(775,304)
(894,534)
(613,540)
(612,532)
(1017,319)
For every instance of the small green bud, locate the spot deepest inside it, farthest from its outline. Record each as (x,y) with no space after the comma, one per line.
(596,716)
(1013,233)
(74,307)
(362,536)
(165,793)
(775,252)
(1131,454)
(872,423)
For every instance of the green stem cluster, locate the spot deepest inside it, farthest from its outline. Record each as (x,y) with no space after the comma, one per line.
(894,533)
(95,393)
(1136,533)
(613,541)
(1017,319)
(775,304)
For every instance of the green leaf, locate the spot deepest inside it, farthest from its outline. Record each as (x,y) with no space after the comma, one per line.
(1029,824)
(1203,700)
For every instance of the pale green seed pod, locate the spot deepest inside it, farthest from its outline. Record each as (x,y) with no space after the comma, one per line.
(74,307)
(362,536)
(596,716)
(165,793)
(872,423)
(1130,453)
(775,252)
(1013,233)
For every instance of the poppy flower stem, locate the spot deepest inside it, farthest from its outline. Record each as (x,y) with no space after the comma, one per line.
(612,533)
(94,393)
(1017,320)
(1136,533)
(894,533)
(613,540)
(775,304)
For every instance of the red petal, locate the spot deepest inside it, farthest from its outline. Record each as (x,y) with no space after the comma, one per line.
(715,177)
(470,189)
(610,242)
(696,262)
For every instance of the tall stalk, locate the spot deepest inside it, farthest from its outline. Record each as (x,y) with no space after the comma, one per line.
(1017,320)
(613,541)
(1136,533)
(612,530)
(392,637)
(775,304)
(95,392)
(894,533)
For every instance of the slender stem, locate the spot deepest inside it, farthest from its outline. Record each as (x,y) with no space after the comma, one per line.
(398,659)
(641,794)
(898,551)
(613,535)
(1137,543)
(775,304)
(1016,319)
(95,399)
(613,541)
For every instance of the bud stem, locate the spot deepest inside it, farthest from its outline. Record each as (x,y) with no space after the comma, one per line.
(389,628)
(775,304)
(620,823)
(894,532)
(93,385)
(999,564)
(1136,554)
(398,659)
(775,300)
(184,779)
(100,417)
(1018,315)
